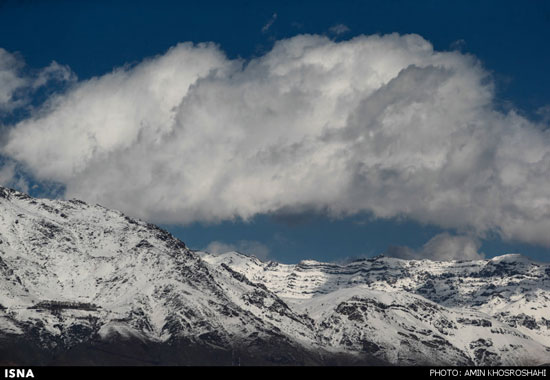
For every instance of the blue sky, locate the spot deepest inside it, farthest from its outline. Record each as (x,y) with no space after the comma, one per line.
(91,39)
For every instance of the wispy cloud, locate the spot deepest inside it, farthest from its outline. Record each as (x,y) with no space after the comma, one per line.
(458,45)
(339,29)
(442,247)
(268,25)
(10,177)
(248,247)
(17,83)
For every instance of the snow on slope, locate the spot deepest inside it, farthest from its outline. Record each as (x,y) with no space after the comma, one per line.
(407,311)
(72,272)
(66,266)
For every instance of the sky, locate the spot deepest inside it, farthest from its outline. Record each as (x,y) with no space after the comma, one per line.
(289,130)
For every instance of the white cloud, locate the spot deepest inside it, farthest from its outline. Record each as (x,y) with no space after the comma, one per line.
(9,176)
(7,173)
(248,247)
(10,80)
(442,247)
(15,83)
(54,72)
(382,124)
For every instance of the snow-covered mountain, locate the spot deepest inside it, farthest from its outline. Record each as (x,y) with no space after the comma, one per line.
(487,312)
(81,284)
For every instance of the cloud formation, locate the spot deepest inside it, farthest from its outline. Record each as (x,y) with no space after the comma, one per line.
(17,82)
(266,27)
(442,247)
(379,124)
(339,29)
(10,81)
(248,247)
(8,176)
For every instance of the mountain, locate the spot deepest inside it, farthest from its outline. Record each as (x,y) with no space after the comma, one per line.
(82,284)
(486,312)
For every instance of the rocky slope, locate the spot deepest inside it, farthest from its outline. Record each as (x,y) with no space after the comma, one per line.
(487,312)
(81,284)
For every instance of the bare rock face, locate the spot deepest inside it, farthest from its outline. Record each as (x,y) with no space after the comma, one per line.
(81,284)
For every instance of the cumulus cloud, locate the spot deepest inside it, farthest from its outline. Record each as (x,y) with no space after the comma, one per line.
(16,82)
(442,247)
(248,247)
(378,124)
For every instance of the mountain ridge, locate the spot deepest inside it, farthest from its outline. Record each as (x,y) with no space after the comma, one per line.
(77,279)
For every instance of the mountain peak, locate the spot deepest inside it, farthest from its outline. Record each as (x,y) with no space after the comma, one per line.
(75,275)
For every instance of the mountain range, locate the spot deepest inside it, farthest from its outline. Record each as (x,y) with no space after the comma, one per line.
(81,284)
